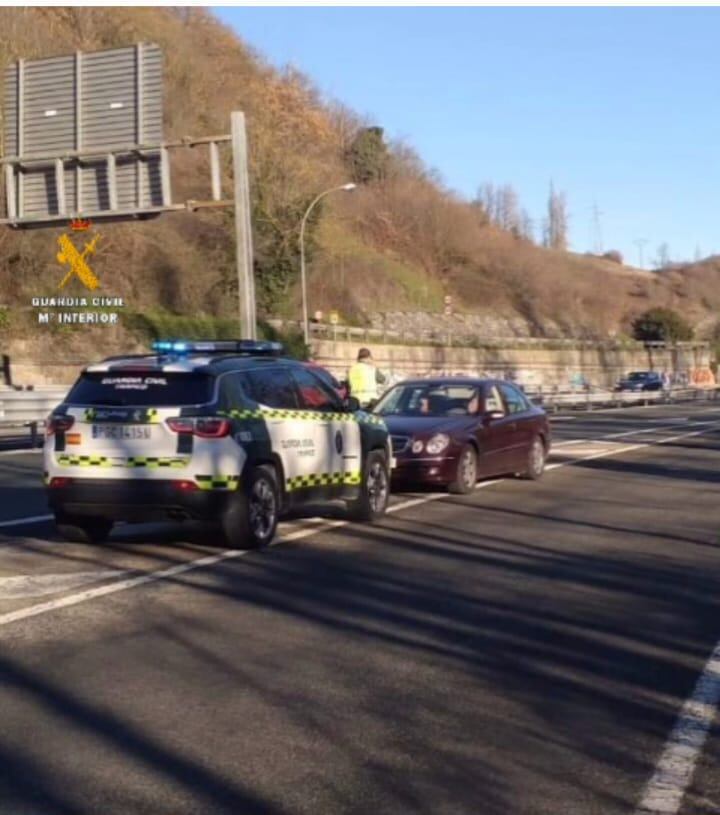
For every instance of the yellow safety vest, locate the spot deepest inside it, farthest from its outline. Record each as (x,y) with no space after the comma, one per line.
(363,382)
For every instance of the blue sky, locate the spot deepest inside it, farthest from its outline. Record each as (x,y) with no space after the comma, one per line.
(617,106)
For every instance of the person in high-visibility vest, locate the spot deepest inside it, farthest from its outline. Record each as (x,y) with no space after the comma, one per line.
(364,378)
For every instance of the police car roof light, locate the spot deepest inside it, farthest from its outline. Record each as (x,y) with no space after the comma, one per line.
(218,347)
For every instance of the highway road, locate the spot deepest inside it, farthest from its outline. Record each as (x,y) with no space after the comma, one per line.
(536,647)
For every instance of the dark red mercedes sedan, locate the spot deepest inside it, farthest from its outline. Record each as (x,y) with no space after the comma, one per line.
(452,431)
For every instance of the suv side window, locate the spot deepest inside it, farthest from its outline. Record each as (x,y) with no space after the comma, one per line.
(514,399)
(231,394)
(273,387)
(314,393)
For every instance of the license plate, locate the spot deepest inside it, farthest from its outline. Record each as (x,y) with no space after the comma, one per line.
(120,432)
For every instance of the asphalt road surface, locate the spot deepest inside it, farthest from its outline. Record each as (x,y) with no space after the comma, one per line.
(541,647)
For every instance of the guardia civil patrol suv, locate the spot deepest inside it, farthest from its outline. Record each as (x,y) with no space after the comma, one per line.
(230,432)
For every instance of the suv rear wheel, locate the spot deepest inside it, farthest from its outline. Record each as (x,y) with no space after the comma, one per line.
(82,529)
(374,490)
(251,518)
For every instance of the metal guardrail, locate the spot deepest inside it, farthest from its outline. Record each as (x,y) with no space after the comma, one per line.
(27,410)
(452,336)
(588,400)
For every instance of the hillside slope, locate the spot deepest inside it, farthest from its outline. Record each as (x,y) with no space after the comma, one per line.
(398,243)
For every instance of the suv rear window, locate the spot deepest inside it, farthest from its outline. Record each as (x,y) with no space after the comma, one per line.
(156,389)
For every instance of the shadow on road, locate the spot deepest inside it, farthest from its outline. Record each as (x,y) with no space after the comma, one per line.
(487,651)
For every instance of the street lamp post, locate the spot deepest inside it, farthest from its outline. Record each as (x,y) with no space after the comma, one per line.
(303,279)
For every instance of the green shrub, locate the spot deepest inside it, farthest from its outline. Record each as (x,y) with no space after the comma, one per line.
(662,325)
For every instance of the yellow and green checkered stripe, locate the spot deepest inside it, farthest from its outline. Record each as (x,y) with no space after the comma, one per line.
(307,415)
(299,482)
(155,462)
(218,482)
(145,462)
(84,461)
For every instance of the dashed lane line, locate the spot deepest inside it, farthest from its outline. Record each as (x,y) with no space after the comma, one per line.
(31,519)
(670,423)
(17,587)
(665,791)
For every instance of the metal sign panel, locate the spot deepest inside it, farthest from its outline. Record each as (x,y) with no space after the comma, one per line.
(83,136)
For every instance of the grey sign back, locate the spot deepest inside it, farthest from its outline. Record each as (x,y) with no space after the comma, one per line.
(82,135)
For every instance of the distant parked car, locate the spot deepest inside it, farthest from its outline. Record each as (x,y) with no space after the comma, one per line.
(451,431)
(640,381)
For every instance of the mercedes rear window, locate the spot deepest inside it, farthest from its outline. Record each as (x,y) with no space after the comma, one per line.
(156,389)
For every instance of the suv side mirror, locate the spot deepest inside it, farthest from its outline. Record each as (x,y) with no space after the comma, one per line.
(352,405)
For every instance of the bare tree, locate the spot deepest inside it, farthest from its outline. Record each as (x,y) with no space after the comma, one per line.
(486,199)
(508,210)
(527,226)
(556,223)
(662,260)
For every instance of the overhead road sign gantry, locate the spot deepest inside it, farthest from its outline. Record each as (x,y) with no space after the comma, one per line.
(83,137)
(83,140)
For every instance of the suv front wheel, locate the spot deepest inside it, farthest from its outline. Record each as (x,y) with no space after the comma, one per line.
(251,518)
(374,490)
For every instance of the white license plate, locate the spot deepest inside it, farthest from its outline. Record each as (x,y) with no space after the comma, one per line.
(119,432)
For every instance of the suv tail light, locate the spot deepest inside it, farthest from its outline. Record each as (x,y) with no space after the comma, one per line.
(60,481)
(212,428)
(58,424)
(206,427)
(181,425)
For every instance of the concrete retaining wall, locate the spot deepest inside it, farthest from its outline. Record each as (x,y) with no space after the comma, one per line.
(598,365)
(530,365)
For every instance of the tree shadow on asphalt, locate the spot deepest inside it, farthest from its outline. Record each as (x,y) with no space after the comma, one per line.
(645,468)
(454,666)
(583,653)
(29,787)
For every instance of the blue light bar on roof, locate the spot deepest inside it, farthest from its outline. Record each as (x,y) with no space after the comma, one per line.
(263,347)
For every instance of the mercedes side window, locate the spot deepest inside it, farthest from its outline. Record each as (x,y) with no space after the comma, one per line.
(272,387)
(493,400)
(314,393)
(514,399)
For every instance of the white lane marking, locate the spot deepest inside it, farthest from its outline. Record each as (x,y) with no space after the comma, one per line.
(119,585)
(31,519)
(643,408)
(37,585)
(211,560)
(628,448)
(671,422)
(674,771)
(21,452)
